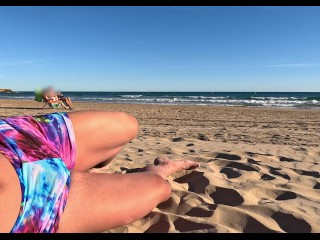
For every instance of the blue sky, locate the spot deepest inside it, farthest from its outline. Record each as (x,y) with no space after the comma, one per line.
(160,48)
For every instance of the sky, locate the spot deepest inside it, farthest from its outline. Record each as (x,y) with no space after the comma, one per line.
(160,48)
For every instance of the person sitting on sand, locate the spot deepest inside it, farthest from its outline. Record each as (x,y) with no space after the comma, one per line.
(45,186)
(50,95)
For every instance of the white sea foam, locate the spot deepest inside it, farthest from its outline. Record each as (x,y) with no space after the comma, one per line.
(242,99)
(131,96)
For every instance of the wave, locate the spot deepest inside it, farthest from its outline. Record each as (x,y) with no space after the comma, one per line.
(282,100)
(131,96)
(219,101)
(313,98)
(205,97)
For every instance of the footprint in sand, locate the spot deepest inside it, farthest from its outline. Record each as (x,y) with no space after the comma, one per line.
(317,186)
(161,225)
(177,139)
(251,154)
(284,159)
(169,206)
(286,196)
(267,177)
(301,149)
(190,145)
(241,166)
(226,196)
(274,171)
(226,156)
(254,226)
(252,161)
(309,173)
(184,225)
(199,212)
(196,181)
(230,173)
(291,224)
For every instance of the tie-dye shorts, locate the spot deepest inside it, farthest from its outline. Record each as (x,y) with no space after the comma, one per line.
(42,151)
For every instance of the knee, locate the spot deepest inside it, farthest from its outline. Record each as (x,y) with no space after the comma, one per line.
(163,188)
(131,125)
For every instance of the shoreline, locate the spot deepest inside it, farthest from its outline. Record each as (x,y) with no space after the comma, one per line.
(215,123)
(30,101)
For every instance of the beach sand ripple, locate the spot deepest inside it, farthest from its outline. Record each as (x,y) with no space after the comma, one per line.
(259,169)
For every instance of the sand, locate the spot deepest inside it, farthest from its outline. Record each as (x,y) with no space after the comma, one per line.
(259,169)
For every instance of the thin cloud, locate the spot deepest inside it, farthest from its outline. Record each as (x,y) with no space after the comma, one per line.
(287,65)
(19,63)
(296,65)
(211,66)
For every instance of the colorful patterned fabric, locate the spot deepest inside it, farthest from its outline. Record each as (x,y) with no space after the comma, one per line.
(42,151)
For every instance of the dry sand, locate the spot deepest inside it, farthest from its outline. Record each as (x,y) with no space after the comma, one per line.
(259,169)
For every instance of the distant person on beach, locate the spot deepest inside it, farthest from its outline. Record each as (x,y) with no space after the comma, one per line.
(50,95)
(45,186)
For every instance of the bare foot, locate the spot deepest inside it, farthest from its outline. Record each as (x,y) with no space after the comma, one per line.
(165,166)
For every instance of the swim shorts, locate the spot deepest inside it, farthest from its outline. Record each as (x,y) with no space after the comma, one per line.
(42,151)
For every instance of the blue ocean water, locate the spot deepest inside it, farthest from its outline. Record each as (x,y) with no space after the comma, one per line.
(250,99)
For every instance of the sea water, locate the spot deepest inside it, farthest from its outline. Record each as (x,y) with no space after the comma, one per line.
(308,100)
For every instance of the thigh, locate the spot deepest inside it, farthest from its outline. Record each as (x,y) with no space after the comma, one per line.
(98,201)
(100,133)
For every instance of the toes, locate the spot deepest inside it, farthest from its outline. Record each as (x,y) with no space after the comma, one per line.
(189,165)
(184,164)
(157,161)
(161,160)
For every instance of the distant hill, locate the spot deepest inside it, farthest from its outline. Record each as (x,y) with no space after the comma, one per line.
(5,90)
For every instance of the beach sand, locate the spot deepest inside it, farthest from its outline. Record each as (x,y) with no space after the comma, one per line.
(259,169)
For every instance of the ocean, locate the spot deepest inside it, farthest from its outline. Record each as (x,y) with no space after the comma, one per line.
(300,100)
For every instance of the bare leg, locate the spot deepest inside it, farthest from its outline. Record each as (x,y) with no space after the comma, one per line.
(100,135)
(68,100)
(45,104)
(98,202)
(61,102)
(112,153)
